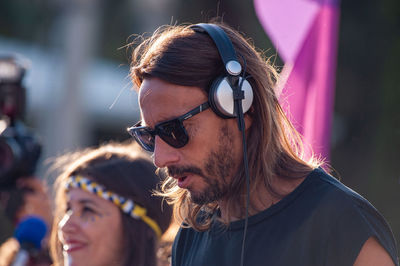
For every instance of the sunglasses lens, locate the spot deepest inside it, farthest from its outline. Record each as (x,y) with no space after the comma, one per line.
(144,138)
(173,133)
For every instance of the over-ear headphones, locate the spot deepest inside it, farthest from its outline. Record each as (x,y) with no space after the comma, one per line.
(231,96)
(225,89)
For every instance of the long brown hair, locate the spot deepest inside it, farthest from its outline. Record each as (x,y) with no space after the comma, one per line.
(126,171)
(179,55)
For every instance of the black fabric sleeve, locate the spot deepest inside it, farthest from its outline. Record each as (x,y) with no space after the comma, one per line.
(352,229)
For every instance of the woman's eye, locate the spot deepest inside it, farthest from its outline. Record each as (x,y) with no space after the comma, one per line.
(88,210)
(89,214)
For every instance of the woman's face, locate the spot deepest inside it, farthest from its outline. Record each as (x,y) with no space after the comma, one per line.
(91,230)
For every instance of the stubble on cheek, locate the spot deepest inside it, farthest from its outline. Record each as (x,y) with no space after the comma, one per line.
(220,163)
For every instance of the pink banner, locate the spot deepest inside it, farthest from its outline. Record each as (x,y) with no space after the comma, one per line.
(308,47)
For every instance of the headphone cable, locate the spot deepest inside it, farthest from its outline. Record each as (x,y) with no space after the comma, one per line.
(242,128)
(246,169)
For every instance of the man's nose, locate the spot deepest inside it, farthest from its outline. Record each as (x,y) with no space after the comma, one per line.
(164,154)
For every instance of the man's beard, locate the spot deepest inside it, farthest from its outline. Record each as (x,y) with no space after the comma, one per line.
(219,165)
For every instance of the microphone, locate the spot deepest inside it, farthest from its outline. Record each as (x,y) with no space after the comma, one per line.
(29,233)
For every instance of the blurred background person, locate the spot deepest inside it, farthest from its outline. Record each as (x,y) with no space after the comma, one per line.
(105,211)
(25,213)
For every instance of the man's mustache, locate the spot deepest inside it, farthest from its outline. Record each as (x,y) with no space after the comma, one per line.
(180,170)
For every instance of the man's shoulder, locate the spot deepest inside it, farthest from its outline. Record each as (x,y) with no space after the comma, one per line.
(348,215)
(332,192)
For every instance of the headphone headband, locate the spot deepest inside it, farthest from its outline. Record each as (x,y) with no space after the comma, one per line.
(228,92)
(224,46)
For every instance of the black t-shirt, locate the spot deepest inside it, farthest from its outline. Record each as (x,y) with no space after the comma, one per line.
(322,222)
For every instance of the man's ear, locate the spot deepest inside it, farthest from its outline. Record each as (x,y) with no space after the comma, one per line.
(248,117)
(248,120)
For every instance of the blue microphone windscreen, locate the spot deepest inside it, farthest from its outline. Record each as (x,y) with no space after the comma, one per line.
(31,231)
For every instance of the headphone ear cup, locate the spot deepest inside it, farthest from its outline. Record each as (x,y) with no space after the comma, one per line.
(214,98)
(221,100)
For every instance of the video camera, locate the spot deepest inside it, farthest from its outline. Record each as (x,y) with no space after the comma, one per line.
(19,149)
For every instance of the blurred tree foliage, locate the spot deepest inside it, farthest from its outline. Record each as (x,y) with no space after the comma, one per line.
(27,20)
(367,118)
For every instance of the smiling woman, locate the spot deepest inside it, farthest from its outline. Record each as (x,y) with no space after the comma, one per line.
(105,213)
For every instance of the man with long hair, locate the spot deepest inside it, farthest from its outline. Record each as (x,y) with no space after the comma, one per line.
(238,178)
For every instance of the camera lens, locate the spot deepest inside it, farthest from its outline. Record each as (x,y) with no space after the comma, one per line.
(19,150)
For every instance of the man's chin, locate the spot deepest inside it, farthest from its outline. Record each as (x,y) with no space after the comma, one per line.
(209,193)
(202,198)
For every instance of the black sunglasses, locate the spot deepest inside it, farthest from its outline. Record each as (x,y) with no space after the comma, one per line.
(172,131)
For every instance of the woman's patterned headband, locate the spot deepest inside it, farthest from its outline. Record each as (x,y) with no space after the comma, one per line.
(126,205)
